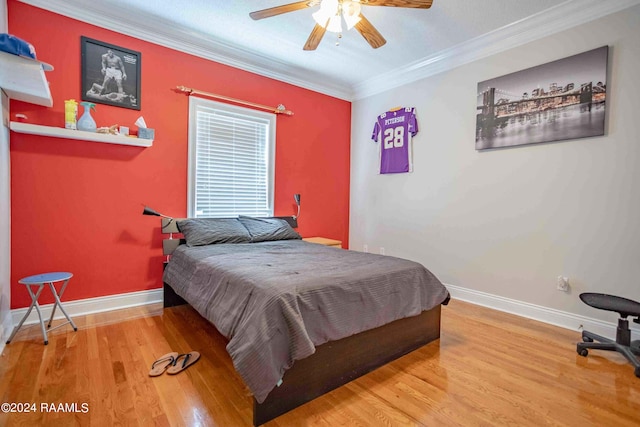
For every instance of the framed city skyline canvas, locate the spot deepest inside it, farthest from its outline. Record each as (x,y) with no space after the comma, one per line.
(556,101)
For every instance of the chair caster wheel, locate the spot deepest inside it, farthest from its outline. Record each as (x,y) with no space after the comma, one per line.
(638,372)
(583,352)
(587,339)
(46,342)
(75,329)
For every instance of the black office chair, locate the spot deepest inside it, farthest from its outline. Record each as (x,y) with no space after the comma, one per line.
(623,344)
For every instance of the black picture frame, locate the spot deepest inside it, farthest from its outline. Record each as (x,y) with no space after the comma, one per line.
(110,74)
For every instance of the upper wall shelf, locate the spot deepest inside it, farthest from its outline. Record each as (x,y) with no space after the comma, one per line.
(78,134)
(23,79)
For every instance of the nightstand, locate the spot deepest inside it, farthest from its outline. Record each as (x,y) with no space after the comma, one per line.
(324,241)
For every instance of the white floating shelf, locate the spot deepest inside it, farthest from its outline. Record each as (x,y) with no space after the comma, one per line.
(23,79)
(78,134)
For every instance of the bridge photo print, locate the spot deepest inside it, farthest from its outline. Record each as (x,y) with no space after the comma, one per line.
(560,100)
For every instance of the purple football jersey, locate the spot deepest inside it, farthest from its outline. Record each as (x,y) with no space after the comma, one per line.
(395,128)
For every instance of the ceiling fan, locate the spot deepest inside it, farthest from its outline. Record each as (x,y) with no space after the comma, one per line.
(331,12)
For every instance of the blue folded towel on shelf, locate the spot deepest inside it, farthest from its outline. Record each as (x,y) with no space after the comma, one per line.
(16,46)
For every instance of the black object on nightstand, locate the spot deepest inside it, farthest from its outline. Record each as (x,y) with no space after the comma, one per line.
(623,344)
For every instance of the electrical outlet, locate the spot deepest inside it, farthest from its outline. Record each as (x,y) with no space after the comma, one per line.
(365,248)
(381,250)
(562,284)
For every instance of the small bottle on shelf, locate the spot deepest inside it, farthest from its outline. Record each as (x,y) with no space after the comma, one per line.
(70,114)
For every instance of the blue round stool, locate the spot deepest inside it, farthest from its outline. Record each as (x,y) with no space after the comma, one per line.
(40,280)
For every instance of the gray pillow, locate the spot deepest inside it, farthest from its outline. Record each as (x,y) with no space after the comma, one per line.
(208,231)
(268,229)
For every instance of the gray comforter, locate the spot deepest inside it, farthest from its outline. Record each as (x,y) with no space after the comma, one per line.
(277,301)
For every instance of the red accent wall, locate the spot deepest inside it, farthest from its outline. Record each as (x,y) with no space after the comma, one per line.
(76,205)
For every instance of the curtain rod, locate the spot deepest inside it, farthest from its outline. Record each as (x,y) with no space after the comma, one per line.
(280,109)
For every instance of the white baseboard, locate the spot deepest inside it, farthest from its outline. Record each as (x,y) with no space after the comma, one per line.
(552,316)
(90,306)
(3,339)
(5,329)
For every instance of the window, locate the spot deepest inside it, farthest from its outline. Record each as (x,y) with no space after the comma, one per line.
(231,160)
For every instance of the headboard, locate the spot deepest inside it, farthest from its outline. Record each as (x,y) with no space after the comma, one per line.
(170,226)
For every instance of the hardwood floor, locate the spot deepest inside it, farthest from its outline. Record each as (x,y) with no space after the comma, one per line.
(488,369)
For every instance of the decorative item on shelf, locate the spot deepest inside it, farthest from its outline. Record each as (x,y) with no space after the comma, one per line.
(70,114)
(86,122)
(110,130)
(143,131)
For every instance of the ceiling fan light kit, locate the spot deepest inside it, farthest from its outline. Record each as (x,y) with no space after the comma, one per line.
(331,12)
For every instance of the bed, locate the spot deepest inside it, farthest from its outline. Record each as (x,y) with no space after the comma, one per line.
(300,318)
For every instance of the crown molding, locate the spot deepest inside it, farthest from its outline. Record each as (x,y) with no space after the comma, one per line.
(564,16)
(162,32)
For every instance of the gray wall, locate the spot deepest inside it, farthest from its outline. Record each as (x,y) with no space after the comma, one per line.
(507,222)
(5,211)
(5,231)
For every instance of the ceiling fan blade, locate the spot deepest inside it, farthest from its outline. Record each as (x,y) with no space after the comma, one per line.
(418,4)
(315,37)
(369,32)
(278,10)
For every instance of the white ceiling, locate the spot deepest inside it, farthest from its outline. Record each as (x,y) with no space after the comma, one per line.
(420,42)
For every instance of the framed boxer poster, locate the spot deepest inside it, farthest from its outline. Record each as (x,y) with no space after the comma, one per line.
(110,74)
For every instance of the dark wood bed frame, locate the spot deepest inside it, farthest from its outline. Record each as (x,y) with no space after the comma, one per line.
(337,362)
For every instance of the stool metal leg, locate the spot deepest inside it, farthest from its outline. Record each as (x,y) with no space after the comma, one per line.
(59,304)
(34,303)
(55,304)
(44,332)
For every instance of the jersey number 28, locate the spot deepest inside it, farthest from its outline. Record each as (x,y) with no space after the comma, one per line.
(394,137)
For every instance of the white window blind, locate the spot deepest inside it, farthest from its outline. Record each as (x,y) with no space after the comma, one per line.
(231,160)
